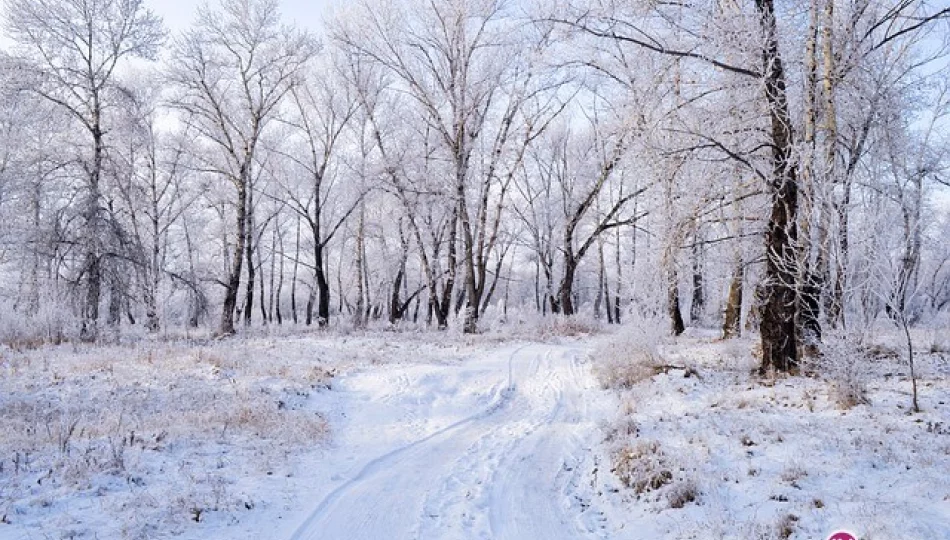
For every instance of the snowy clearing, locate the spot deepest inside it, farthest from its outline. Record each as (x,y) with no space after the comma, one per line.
(207,440)
(403,436)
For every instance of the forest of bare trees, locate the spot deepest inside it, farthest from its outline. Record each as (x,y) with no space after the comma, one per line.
(773,166)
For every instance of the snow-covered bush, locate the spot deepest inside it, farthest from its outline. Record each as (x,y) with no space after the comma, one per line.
(844,365)
(644,467)
(641,466)
(534,326)
(941,342)
(628,359)
(51,324)
(682,493)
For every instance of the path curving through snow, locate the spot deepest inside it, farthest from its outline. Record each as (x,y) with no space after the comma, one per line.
(506,471)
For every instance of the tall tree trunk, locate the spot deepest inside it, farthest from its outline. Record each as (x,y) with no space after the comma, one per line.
(677,326)
(273,265)
(359,315)
(617,262)
(33,283)
(732,321)
(226,327)
(674,237)
(565,290)
(92,265)
(732,317)
(280,277)
(472,292)
(116,295)
(323,291)
(490,293)
(262,297)
(910,257)
(395,302)
(698,300)
(444,305)
(152,275)
(829,79)
(197,303)
(249,248)
(812,194)
(541,307)
(396,308)
(341,297)
(778,322)
(836,311)
(293,281)
(311,301)
(599,299)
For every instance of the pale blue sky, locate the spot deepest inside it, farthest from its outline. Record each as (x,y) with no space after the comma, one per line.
(179,14)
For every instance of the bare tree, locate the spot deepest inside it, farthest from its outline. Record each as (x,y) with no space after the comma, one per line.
(322,109)
(232,70)
(470,98)
(74,47)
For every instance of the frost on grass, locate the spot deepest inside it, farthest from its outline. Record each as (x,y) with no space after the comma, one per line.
(641,466)
(183,439)
(627,359)
(730,455)
(152,437)
(846,366)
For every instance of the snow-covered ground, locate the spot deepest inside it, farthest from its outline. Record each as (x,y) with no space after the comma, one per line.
(389,435)
(781,458)
(497,467)
(203,440)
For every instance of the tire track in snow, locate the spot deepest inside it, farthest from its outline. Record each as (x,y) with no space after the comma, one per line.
(463,499)
(498,473)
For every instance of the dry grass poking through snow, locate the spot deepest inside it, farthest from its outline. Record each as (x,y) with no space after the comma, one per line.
(728,455)
(156,440)
(109,425)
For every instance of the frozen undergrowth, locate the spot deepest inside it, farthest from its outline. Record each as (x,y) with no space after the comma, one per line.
(242,439)
(727,455)
(156,439)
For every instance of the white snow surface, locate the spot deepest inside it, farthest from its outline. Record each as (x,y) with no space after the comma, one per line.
(457,438)
(502,466)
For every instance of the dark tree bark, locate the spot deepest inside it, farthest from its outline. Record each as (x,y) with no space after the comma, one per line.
(89,330)
(565,290)
(293,280)
(249,248)
(226,326)
(698,301)
(677,326)
(599,299)
(836,312)
(273,272)
(260,291)
(116,297)
(322,286)
(619,265)
(360,311)
(280,278)
(778,322)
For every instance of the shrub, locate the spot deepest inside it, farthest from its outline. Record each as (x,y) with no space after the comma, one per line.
(785,527)
(682,493)
(641,466)
(843,365)
(626,361)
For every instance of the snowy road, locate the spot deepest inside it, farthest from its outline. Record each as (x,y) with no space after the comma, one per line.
(505,471)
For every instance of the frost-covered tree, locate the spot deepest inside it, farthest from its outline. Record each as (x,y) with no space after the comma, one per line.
(72,50)
(232,71)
